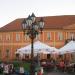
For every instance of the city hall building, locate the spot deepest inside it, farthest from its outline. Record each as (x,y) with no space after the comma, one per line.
(58,30)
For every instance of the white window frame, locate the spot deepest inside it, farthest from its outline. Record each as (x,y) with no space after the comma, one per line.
(71,35)
(26,37)
(60,36)
(8,37)
(38,37)
(7,53)
(17,37)
(48,35)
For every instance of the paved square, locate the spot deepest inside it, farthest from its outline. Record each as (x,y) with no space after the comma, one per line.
(59,73)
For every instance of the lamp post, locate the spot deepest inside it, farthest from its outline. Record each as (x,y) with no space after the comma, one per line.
(32,28)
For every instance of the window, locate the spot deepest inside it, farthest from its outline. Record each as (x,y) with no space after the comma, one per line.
(8,37)
(26,37)
(0,37)
(38,36)
(71,35)
(48,36)
(7,53)
(60,36)
(17,37)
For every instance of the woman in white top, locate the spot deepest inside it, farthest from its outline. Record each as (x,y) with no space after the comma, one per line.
(42,70)
(21,70)
(6,69)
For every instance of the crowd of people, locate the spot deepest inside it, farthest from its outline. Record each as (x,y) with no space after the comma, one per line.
(61,65)
(6,68)
(64,66)
(9,69)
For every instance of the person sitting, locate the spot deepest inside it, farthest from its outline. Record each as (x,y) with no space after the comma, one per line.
(62,65)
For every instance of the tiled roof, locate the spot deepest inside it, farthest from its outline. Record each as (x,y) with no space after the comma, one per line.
(51,22)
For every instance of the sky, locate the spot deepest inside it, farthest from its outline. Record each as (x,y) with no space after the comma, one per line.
(13,9)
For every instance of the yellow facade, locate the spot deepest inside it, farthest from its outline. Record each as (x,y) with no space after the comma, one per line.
(11,41)
(56,32)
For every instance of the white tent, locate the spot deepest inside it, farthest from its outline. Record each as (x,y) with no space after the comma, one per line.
(55,50)
(54,53)
(39,47)
(68,48)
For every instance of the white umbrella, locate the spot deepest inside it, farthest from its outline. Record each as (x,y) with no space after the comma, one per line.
(37,46)
(68,48)
(19,52)
(44,51)
(55,51)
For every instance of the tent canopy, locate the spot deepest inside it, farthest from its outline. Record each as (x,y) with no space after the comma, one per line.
(38,47)
(68,48)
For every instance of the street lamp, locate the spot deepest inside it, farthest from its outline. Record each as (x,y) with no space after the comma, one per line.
(32,28)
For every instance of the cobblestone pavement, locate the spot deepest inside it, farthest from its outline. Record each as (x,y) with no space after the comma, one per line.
(53,73)
(60,73)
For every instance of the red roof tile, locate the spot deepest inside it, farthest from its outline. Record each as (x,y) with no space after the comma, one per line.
(51,22)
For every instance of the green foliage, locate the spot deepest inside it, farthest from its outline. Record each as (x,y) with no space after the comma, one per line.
(16,65)
(26,65)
